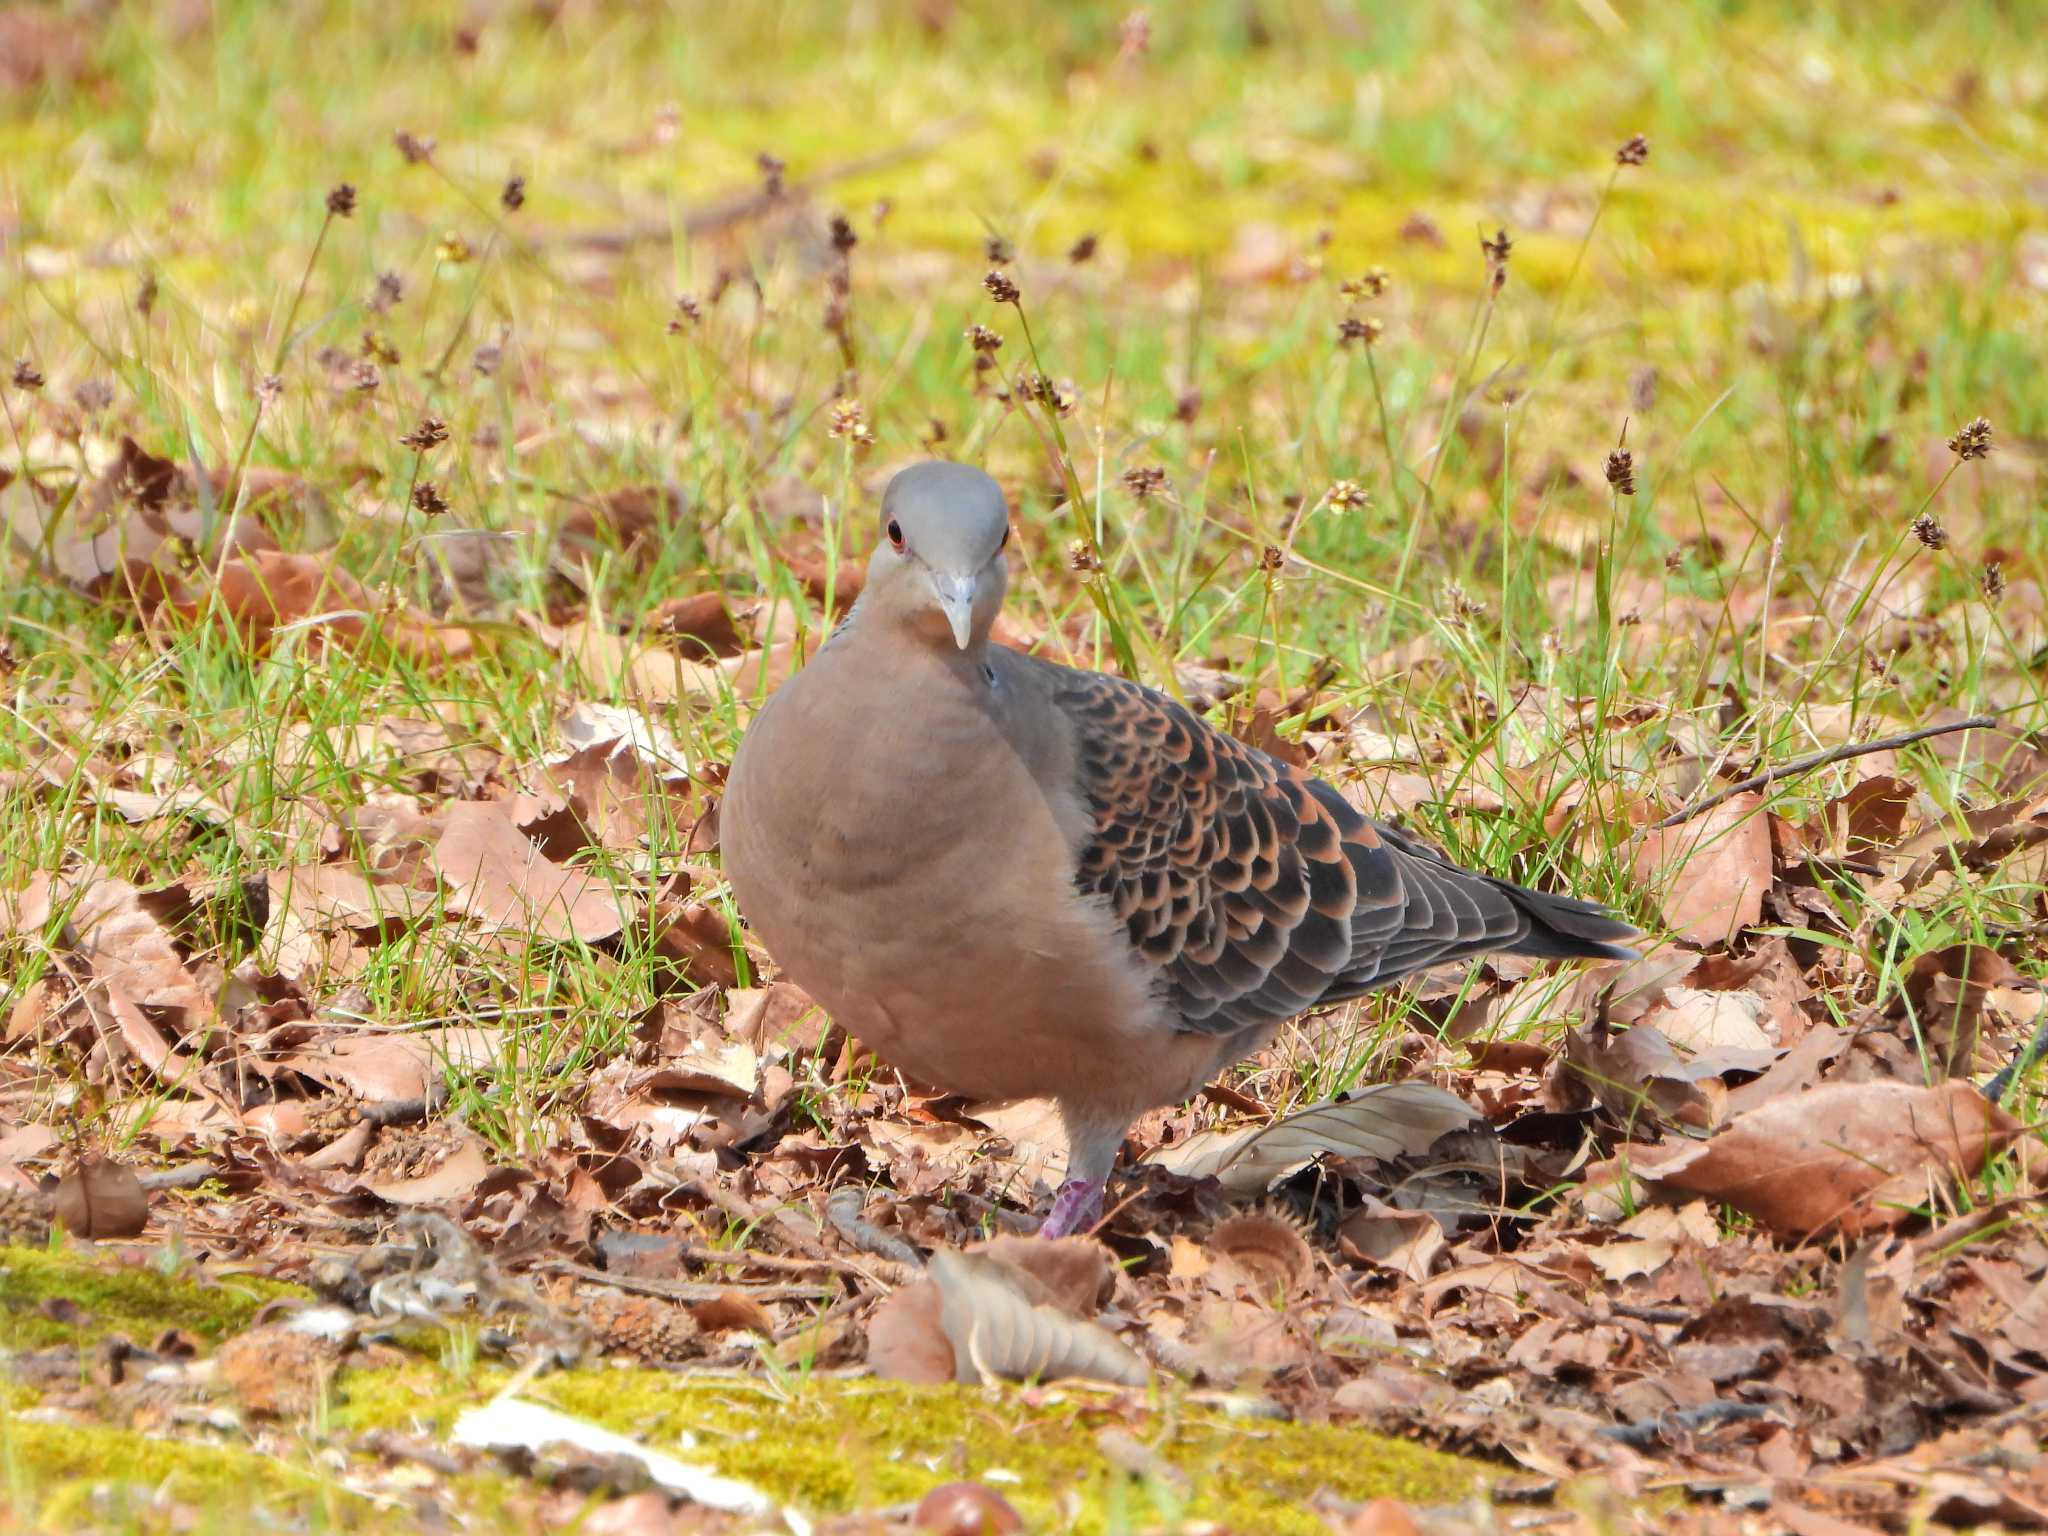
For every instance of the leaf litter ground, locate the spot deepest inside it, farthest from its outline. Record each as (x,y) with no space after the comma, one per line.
(381,1038)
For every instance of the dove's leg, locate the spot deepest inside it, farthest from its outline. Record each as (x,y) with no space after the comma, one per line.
(1093,1137)
(1076,1208)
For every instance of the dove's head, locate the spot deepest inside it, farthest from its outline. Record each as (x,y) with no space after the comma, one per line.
(938,567)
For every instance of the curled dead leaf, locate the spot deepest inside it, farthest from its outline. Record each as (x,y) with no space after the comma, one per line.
(979,1319)
(1267,1249)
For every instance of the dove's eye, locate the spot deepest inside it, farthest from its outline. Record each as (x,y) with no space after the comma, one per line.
(895,532)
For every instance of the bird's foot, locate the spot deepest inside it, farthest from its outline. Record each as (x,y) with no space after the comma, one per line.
(1076,1208)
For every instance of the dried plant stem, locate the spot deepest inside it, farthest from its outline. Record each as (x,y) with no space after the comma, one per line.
(1814,760)
(284,339)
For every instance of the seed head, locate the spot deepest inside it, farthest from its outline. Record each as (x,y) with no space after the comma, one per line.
(94,396)
(145,295)
(1082,250)
(378,350)
(341,200)
(772,168)
(687,313)
(430,433)
(1188,405)
(1082,557)
(1498,249)
(1928,530)
(1271,558)
(1972,441)
(513,197)
(417,151)
(1145,481)
(365,377)
(1353,331)
(1001,287)
(453,249)
(1621,472)
(1370,284)
(486,358)
(269,389)
(1041,388)
(389,290)
(1459,604)
(1992,581)
(428,500)
(843,237)
(847,420)
(27,375)
(1634,152)
(982,339)
(999,251)
(1345,496)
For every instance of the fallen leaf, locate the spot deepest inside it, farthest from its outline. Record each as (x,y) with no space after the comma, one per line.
(1838,1158)
(100,1198)
(999,1333)
(266,591)
(450,1179)
(1406,1242)
(1376,1124)
(500,879)
(1711,873)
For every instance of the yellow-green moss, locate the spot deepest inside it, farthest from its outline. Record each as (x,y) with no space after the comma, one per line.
(837,1445)
(140,1302)
(60,1468)
(822,1445)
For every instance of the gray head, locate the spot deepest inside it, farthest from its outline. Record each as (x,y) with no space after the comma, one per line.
(939,565)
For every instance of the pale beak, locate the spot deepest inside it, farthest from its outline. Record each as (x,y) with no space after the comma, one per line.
(956,602)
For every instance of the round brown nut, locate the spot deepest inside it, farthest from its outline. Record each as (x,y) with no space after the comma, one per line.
(965,1509)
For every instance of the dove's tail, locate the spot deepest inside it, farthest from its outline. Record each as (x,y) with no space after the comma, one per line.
(1566,928)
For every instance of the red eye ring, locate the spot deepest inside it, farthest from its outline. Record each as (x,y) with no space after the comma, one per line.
(895,532)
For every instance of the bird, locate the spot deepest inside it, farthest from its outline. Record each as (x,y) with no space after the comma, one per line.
(1014,879)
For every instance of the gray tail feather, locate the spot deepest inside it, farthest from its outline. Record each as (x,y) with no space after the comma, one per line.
(1566,928)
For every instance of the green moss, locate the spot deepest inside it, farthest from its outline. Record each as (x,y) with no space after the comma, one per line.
(833,1446)
(56,1469)
(119,1298)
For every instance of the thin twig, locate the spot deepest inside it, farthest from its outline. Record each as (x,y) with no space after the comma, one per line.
(1643,1434)
(842,1210)
(746,1258)
(1807,764)
(690,1290)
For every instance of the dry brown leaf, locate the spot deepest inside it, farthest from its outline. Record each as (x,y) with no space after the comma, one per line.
(1376,1124)
(999,1333)
(1406,1242)
(615,664)
(699,939)
(1638,1078)
(1711,872)
(450,1179)
(1838,1158)
(100,1198)
(699,621)
(499,878)
(266,590)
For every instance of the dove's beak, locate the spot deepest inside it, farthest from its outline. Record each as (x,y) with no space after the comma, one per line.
(956,602)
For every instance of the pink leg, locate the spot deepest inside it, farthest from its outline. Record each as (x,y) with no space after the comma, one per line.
(1076,1208)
